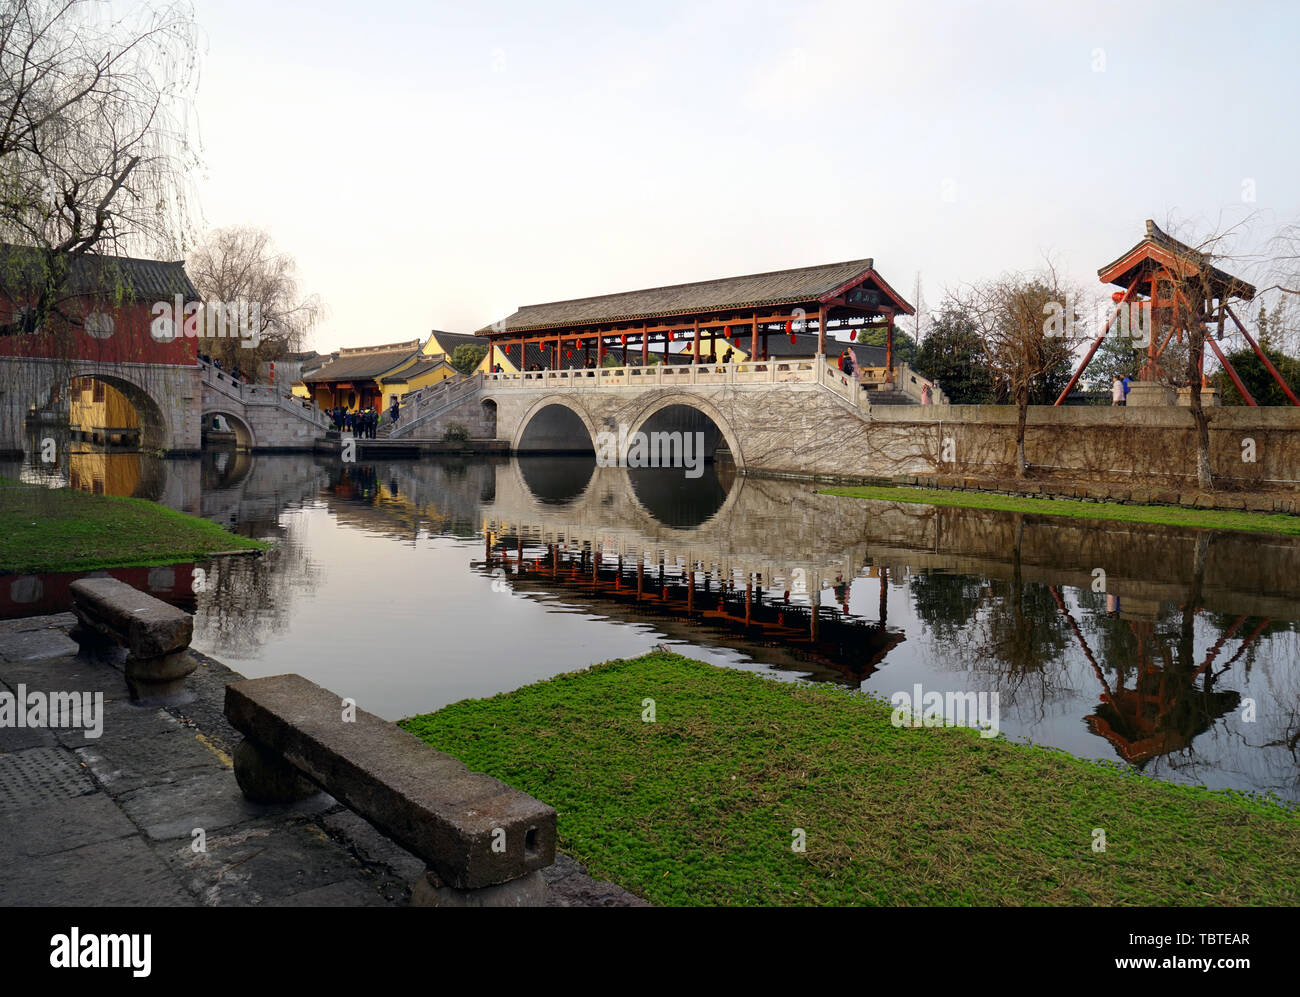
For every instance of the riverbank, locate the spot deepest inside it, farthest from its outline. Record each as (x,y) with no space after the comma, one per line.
(1191,514)
(703,805)
(62,529)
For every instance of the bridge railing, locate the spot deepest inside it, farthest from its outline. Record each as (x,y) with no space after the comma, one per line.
(637,376)
(428,402)
(261,394)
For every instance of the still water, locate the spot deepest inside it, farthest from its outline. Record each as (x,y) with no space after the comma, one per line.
(408,585)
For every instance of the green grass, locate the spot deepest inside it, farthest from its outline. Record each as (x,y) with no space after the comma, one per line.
(60,529)
(1168,515)
(699,807)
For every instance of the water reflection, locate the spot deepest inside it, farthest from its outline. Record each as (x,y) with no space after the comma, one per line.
(412,584)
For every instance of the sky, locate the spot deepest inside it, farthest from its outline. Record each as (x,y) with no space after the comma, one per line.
(437,165)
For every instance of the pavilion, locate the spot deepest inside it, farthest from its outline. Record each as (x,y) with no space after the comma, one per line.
(1179,287)
(746,311)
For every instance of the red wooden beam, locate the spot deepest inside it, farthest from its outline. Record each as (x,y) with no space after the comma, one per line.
(1232,373)
(1260,353)
(1087,359)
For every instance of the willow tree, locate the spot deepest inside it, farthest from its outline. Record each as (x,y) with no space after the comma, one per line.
(95,147)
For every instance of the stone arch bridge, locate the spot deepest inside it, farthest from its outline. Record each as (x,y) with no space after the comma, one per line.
(763,413)
(174,403)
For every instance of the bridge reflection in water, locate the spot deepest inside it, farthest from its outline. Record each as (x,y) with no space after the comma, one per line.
(1186,662)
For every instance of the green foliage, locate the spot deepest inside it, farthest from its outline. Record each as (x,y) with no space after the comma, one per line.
(905,348)
(1259,382)
(700,805)
(466,357)
(1117,356)
(953,355)
(455,432)
(1171,515)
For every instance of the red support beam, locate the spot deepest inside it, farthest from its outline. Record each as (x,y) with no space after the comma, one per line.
(1232,373)
(1263,359)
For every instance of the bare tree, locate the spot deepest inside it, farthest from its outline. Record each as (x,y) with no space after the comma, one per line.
(95,126)
(1027,323)
(241,265)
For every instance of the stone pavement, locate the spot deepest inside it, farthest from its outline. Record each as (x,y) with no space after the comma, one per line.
(118,820)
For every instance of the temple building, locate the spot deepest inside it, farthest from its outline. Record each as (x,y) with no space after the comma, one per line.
(372,376)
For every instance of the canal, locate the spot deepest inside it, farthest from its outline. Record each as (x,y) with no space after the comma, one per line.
(408,585)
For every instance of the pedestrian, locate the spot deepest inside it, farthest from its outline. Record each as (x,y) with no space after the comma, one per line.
(393,412)
(1116,391)
(726,357)
(926,397)
(850,363)
(1127,383)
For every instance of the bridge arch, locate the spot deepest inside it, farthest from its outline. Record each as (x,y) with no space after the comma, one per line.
(551,423)
(657,405)
(155,429)
(245,438)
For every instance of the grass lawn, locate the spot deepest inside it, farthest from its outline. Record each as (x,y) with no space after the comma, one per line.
(61,529)
(699,807)
(1168,515)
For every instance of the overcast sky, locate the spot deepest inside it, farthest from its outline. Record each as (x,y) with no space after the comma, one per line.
(437,165)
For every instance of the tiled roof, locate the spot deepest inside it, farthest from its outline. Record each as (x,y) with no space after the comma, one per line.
(365,363)
(450,340)
(749,291)
(421,366)
(22,270)
(1159,239)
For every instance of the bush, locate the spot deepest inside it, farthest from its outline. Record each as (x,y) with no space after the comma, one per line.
(455,433)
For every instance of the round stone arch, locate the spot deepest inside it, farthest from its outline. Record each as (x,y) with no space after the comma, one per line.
(245,438)
(701,405)
(155,427)
(541,405)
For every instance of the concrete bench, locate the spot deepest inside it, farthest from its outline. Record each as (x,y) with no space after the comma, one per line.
(156,635)
(483,842)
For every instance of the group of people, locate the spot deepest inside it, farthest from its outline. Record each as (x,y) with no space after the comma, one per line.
(1119,390)
(362,422)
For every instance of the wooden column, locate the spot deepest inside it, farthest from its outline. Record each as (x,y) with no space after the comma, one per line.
(821,331)
(600,349)
(889,343)
(753,340)
(491,362)
(645,346)
(697,341)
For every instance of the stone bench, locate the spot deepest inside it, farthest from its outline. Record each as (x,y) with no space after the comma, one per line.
(483,842)
(156,635)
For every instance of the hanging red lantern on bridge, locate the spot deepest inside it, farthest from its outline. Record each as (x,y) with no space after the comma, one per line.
(789,326)
(623,339)
(671,336)
(568,354)
(853,335)
(726,332)
(579,344)
(1117,297)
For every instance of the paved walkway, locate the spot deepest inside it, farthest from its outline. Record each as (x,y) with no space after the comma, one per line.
(148,813)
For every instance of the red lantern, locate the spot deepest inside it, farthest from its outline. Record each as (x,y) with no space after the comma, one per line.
(568,354)
(1117,297)
(622,340)
(726,332)
(853,335)
(579,344)
(671,337)
(789,327)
